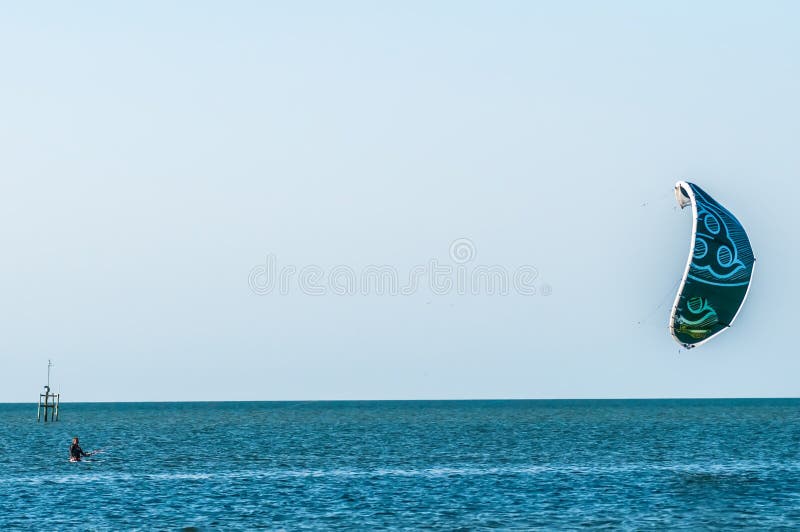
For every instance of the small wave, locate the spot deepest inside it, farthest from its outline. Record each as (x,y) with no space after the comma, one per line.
(741,467)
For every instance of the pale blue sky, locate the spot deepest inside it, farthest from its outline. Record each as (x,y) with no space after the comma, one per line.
(151,153)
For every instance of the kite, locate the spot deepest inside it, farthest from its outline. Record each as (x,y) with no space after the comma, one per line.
(717,278)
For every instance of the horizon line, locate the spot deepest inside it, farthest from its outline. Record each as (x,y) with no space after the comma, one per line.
(451,400)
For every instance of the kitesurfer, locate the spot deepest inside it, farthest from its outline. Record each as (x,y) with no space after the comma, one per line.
(75,451)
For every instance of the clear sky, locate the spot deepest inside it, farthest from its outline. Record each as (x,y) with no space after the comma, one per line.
(152,154)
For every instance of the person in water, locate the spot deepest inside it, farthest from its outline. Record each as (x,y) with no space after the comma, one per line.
(75,451)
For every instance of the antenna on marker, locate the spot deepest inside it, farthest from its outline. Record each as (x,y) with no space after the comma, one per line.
(49,365)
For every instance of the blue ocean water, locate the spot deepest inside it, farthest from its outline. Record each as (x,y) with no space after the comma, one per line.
(460,464)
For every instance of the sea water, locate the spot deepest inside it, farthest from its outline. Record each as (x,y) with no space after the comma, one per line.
(442,464)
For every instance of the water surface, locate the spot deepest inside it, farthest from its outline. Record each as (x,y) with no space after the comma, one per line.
(447,464)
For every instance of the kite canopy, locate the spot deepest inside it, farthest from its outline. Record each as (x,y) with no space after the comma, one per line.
(718,271)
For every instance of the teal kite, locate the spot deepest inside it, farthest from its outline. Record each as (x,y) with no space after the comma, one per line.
(717,278)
